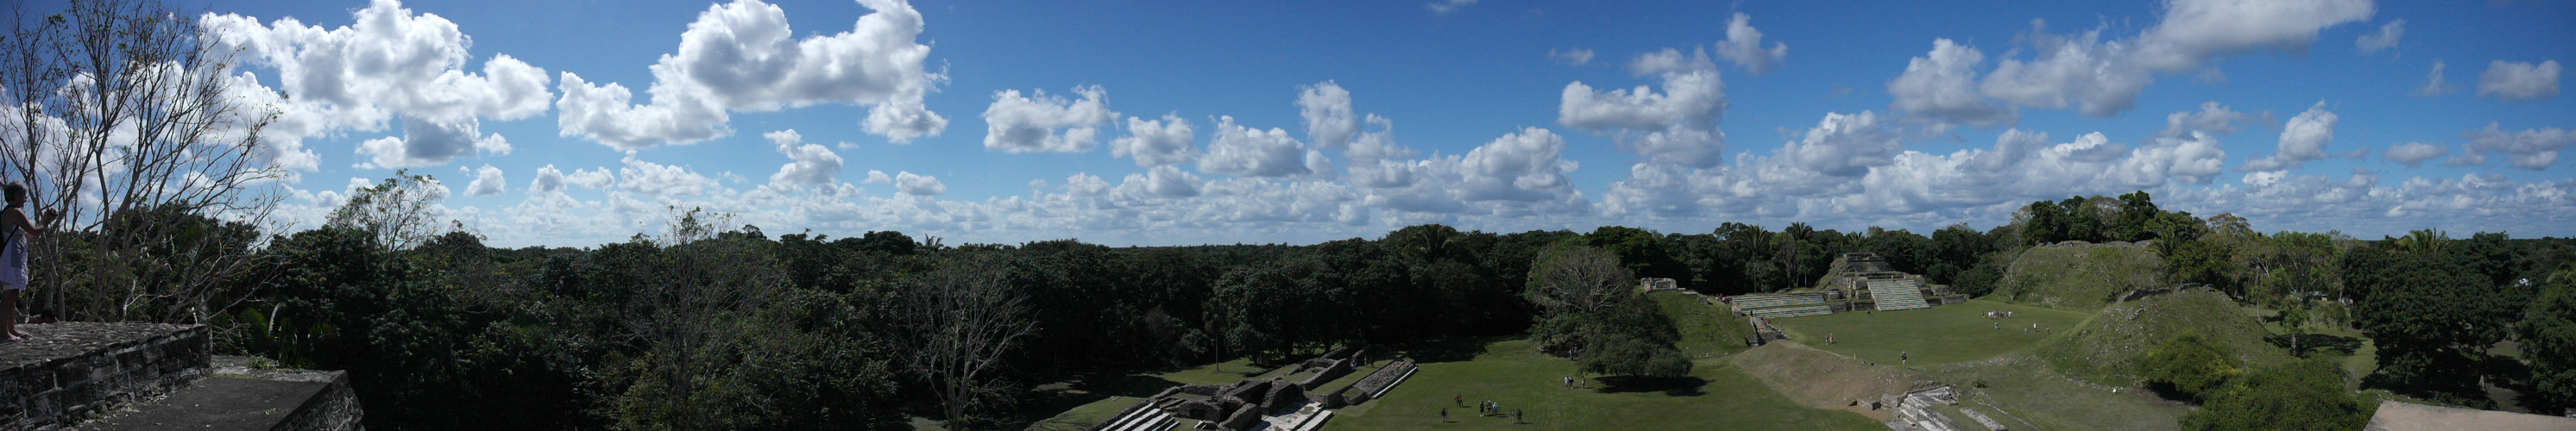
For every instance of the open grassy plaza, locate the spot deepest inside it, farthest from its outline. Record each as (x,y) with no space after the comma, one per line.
(1716,395)
(1937,335)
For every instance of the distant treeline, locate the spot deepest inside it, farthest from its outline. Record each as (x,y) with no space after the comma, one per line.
(713,326)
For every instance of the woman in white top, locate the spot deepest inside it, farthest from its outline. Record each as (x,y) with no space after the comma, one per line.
(15,229)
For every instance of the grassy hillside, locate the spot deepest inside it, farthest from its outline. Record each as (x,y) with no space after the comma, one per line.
(1707,330)
(2081,278)
(2107,349)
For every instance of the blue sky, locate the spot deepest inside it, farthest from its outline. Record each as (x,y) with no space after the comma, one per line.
(1312,121)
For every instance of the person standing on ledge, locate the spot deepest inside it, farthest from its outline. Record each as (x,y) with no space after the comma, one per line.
(14,231)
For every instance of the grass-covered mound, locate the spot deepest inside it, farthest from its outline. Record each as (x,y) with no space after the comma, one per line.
(1716,394)
(1707,330)
(2081,278)
(1937,335)
(2107,349)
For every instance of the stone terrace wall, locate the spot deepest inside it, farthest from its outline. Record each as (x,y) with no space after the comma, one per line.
(75,370)
(1359,392)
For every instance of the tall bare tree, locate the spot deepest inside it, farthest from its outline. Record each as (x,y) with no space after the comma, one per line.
(964,318)
(123,117)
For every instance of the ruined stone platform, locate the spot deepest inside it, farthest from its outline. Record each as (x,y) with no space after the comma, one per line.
(237,396)
(74,370)
(135,376)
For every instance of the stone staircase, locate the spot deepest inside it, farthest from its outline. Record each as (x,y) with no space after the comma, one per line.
(148,376)
(1141,419)
(1893,295)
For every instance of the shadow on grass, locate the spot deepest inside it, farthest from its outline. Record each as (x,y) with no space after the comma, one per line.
(1448,350)
(1685,386)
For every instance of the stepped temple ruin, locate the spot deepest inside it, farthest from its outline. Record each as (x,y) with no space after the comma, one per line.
(1855,282)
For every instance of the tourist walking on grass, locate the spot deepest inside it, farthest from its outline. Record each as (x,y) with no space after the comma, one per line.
(14,231)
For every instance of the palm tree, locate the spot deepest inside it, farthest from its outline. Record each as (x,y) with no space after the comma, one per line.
(2423,241)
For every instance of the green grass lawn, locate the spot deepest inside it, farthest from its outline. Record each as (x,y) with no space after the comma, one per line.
(1937,335)
(1717,395)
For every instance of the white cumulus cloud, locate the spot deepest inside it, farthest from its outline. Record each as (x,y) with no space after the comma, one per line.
(1015,124)
(1571,56)
(2413,154)
(741,56)
(813,165)
(388,62)
(2433,85)
(2212,117)
(594,179)
(1940,85)
(918,185)
(2194,31)
(1444,7)
(1677,126)
(428,142)
(487,182)
(2303,139)
(1167,181)
(1250,152)
(2533,149)
(2102,76)
(658,179)
(549,180)
(1157,142)
(1326,107)
(2518,81)
(2386,37)
(1743,45)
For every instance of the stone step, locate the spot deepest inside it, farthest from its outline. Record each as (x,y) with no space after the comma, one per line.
(233,402)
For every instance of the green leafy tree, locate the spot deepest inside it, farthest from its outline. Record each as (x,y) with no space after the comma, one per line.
(1642,251)
(2549,339)
(2189,365)
(2429,315)
(1591,311)
(2302,395)
(2295,320)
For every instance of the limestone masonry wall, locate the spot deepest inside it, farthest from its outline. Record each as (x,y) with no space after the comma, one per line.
(82,368)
